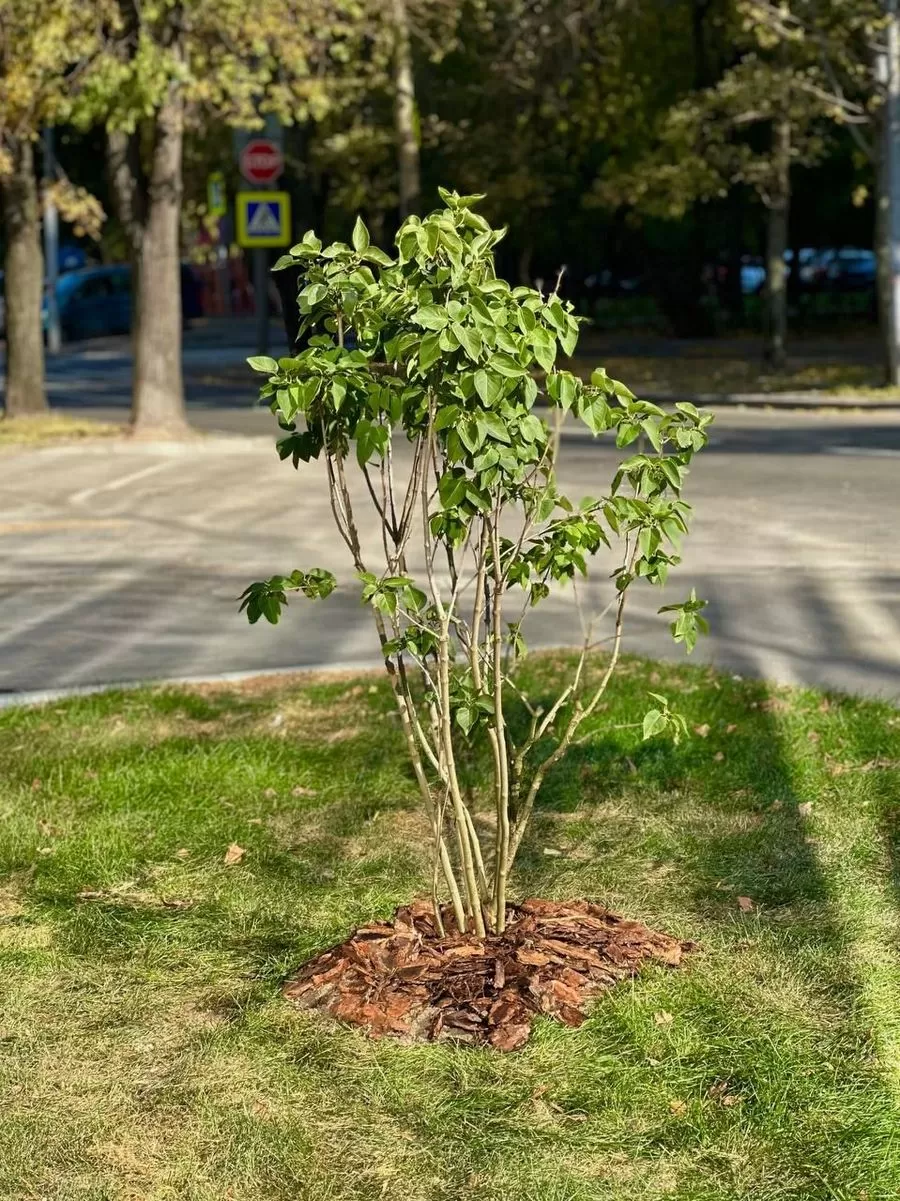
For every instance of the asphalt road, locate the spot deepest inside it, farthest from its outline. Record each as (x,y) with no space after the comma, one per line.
(121,562)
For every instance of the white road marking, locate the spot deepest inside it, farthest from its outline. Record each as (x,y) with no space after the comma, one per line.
(122,481)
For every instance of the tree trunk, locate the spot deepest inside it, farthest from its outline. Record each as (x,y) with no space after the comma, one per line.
(523,269)
(776,245)
(410,184)
(884,274)
(158,390)
(24,285)
(149,208)
(888,202)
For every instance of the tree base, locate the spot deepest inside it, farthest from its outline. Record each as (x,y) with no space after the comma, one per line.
(174,431)
(401,979)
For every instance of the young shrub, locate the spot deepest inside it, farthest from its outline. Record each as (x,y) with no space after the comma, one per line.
(423,373)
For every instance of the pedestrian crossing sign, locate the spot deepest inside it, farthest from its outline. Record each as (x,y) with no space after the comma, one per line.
(263,219)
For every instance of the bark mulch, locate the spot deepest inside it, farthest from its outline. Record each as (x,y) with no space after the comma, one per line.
(401,979)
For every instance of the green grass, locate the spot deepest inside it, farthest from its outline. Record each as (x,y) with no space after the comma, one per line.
(145,1052)
(690,375)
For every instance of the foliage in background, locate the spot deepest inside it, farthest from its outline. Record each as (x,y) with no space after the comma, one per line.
(432,347)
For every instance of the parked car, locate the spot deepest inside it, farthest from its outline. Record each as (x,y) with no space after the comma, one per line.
(96,301)
(848,269)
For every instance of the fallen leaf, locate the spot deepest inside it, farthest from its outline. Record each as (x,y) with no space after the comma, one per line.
(719,1092)
(299,791)
(679,1108)
(183,853)
(719,756)
(234,855)
(730,728)
(703,730)
(552,853)
(745,904)
(805,809)
(663,1018)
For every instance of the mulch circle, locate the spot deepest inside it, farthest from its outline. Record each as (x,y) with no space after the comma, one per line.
(401,979)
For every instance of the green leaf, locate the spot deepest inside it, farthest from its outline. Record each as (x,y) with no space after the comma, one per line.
(430,316)
(504,364)
(360,235)
(451,489)
(446,415)
(470,434)
(263,363)
(544,345)
(654,723)
(569,340)
(488,387)
(671,472)
(429,351)
(469,339)
(495,427)
(651,429)
(372,254)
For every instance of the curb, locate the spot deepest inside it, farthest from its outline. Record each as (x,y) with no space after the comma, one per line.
(43,696)
(810,401)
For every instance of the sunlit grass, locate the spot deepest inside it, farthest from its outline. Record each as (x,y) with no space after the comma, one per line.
(51,428)
(688,375)
(147,1053)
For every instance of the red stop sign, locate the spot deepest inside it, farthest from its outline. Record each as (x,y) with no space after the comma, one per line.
(261,161)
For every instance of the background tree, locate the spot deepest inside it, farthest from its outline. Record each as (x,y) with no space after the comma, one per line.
(751,128)
(45,48)
(170,68)
(845,46)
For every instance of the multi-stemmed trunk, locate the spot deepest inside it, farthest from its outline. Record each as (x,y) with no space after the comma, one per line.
(23,283)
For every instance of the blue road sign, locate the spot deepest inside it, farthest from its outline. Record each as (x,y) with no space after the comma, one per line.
(263,219)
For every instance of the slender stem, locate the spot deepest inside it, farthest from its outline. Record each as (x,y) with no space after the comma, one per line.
(501,860)
(459,808)
(479,858)
(580,714)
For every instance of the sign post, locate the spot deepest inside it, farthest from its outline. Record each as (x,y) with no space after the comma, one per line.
(263,219)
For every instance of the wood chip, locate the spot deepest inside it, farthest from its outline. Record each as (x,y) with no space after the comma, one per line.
(401,979)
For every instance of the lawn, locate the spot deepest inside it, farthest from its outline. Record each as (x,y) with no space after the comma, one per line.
(53,428)
(708,374)
(147,1053)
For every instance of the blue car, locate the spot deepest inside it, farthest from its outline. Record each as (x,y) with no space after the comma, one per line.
(96,301)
